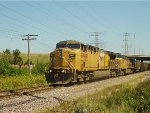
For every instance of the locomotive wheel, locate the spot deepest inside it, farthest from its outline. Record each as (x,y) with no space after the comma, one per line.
(78,80)
(117,73)
(113,74)
(85,79)
(122,73)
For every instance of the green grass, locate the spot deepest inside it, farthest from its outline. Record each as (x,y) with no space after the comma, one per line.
(129,97)
(41,57)
(25,80)
(21,81)
(96,103)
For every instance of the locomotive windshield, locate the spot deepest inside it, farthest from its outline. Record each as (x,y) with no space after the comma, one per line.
(73,46)
(61,46)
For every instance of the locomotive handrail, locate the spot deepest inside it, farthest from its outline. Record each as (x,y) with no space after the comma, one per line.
(70,65)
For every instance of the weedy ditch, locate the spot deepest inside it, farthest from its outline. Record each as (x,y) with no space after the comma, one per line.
(130,97)
(23,81)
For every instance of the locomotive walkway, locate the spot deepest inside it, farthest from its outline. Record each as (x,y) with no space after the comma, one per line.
(51,98)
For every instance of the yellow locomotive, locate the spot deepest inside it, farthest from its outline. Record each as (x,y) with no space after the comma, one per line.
(73,61)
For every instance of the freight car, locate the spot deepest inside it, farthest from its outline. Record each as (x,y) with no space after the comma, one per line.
(73,61)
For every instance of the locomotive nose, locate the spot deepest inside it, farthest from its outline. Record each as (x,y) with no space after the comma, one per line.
(60,53)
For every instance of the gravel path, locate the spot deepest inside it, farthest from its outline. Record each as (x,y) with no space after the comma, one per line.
(51,98)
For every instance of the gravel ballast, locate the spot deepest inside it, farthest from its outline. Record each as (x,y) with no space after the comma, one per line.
(51,98)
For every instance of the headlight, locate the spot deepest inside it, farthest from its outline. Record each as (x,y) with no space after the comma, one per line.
(63,71)
(50,71)
(72,55)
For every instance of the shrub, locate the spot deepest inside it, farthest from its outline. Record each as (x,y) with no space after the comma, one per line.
(39,69)
(137,98)
(142,98)
(18,82)
(7,69)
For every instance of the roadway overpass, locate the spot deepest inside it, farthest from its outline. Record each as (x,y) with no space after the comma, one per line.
(140,57)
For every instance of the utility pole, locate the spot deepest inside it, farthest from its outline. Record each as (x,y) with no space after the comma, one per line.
(126,46)
(96,36)
(29,39)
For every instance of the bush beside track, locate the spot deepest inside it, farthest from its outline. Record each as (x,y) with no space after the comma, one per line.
(15,77)
(23,81)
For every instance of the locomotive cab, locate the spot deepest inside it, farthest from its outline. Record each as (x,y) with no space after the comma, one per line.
(63,64)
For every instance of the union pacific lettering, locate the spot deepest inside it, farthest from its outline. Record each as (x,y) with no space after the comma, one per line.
(84,55)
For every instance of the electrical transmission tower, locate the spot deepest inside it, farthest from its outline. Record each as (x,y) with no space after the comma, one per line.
(126,45)
(96,36)
(29,39)
(134,44)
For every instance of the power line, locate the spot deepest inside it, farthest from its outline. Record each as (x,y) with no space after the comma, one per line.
(33,20)
(46,12)
(43,12)
(29,39)
(102,20)
(75,16)
(8,29)
(38,47)
(90,14)
(11,18)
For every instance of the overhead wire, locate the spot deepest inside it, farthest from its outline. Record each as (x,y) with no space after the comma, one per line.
(44,44)
(33,20)
(89,14)
(39,47)
(45,11)
(26,24)
(104,22)
(108,25)
(75,16)
(8,35)
(9,29)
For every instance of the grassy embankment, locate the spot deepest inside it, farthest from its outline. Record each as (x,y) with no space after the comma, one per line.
(130,97)
(25,81)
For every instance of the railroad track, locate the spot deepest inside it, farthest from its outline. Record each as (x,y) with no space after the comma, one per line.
(7,94)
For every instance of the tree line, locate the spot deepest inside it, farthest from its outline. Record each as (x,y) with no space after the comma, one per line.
(14,57)
(9,59)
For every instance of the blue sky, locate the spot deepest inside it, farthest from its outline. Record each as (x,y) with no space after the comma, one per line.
(54,21)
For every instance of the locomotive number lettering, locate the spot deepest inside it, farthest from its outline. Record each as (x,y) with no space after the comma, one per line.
(83,55)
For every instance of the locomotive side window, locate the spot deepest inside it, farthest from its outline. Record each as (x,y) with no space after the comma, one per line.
(91,49)
(94,50)
(83,48)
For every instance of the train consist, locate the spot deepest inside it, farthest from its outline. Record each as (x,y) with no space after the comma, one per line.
(73,61)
